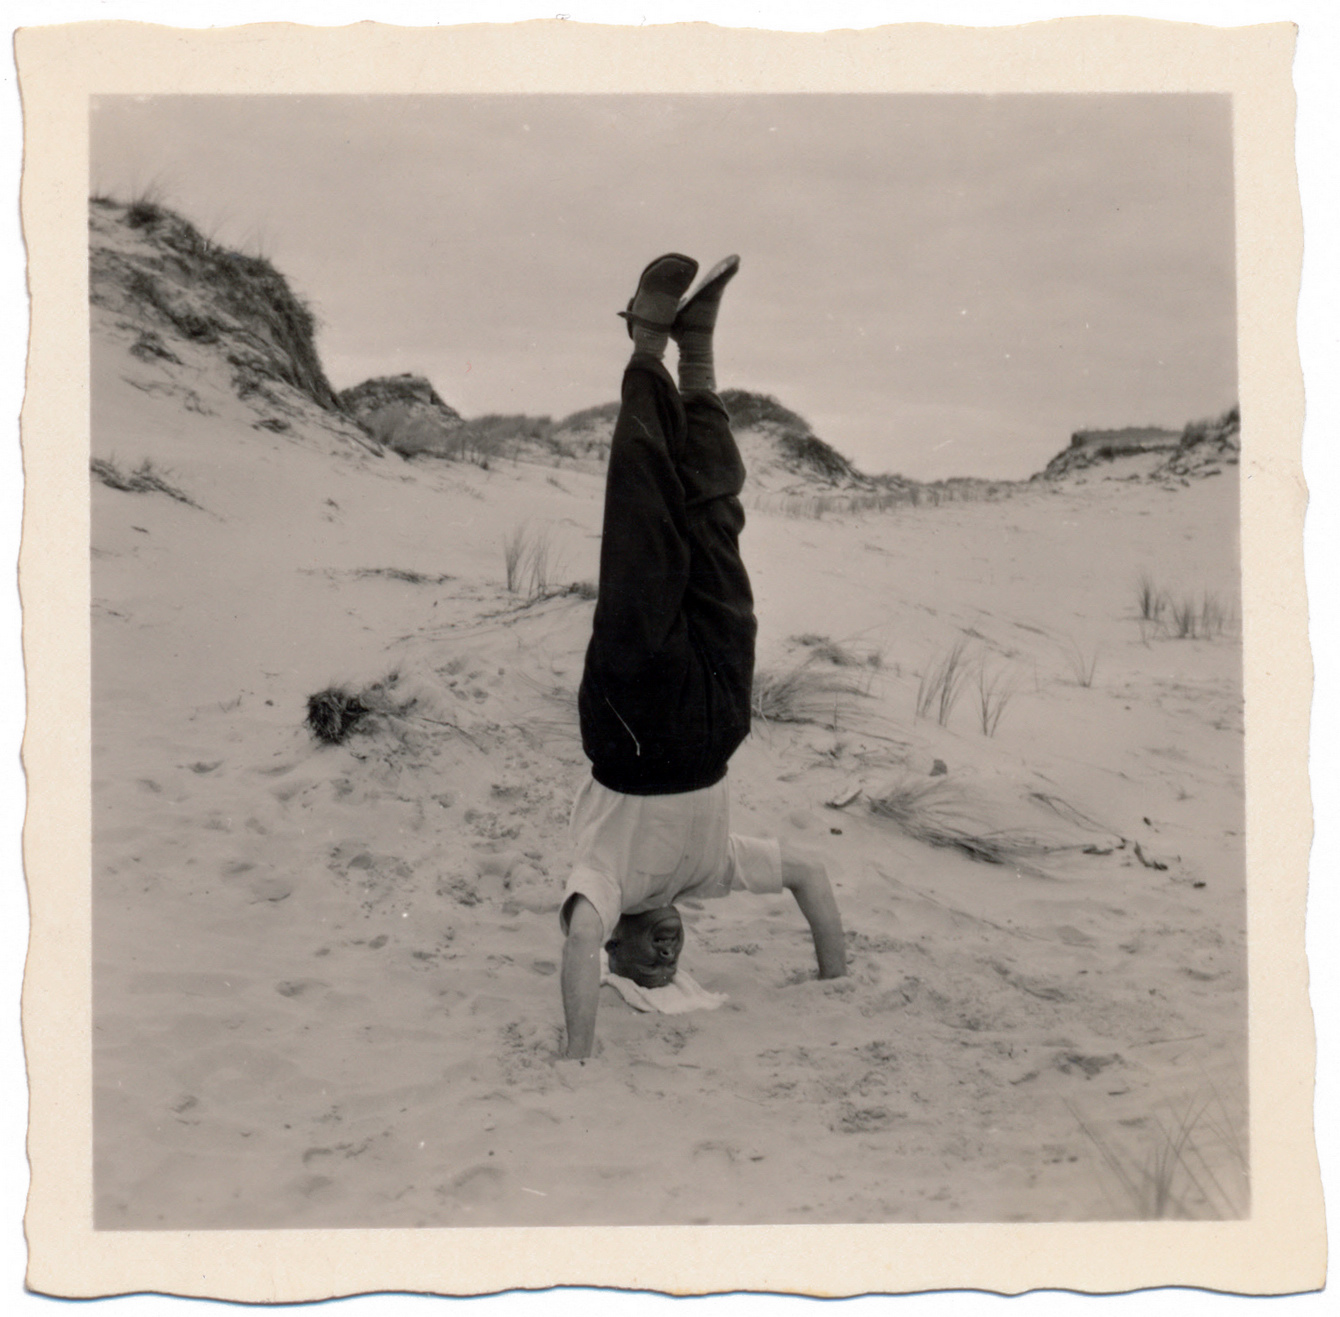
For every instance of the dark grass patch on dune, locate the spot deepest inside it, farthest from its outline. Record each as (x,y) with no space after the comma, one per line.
(338,712)
(207,292)
(334,714)
(791,432)
(827,650)
(406,575)
(145,479)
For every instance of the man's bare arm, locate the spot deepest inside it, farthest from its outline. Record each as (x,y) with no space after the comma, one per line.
(807,881)
(580,978)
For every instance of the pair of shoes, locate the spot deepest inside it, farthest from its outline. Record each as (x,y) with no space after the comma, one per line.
(659,305)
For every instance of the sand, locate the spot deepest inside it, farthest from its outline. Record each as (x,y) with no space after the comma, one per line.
(325,980)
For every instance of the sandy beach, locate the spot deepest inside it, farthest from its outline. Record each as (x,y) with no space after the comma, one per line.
(325,976)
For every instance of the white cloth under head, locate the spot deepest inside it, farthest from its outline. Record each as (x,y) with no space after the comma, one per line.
(636,853)
(682,994)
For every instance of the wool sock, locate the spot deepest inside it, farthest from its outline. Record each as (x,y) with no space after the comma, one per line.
(650,341)
(694,324)
(697,364)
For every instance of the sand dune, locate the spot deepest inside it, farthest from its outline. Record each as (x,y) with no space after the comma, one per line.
(326,976)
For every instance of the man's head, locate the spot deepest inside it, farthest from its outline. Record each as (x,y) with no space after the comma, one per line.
(646,947)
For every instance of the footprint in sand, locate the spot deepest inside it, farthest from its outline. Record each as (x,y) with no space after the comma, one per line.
(459,889)
(271,889)
(893,1000)
(491,863)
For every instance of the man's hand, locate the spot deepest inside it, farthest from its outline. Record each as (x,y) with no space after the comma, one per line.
(580,978)
(807,881)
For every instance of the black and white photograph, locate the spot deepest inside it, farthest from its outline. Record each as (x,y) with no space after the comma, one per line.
(401,537)
(666,659)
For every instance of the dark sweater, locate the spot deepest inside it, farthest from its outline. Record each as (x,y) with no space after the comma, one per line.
(665,694)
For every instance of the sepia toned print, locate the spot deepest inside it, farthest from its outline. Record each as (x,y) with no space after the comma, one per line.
(929,879)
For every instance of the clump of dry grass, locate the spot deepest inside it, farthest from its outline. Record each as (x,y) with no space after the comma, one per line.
(145,479)
(935,811)
(1216,617)
(1193,1166)
(942,684)
(339,712)
(334,714)
(561,699)
(1083,662)
(802,694)
(1151,601)
(541,563)
(825,649)
(514,547)
(994,693)
(1184,617)
(147,207)
(407,575)
(1207,619)
(531,563)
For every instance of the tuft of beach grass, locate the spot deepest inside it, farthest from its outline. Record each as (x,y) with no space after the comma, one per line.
(145,479)
(804,693)
(531,565)
(935,811)
(1190,1163)
(994,693)
(1083,663)
(942,684)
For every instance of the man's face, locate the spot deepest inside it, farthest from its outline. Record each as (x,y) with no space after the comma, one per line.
(646,947)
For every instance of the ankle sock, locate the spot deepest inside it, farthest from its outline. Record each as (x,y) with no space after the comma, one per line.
(650,341)
(694,323)
(697,364)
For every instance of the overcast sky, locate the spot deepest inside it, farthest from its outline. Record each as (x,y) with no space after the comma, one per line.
(941,285)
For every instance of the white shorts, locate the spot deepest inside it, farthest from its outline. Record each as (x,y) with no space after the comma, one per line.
(635,853)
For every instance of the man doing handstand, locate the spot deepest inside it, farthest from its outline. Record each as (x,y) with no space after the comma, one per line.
(665,693)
